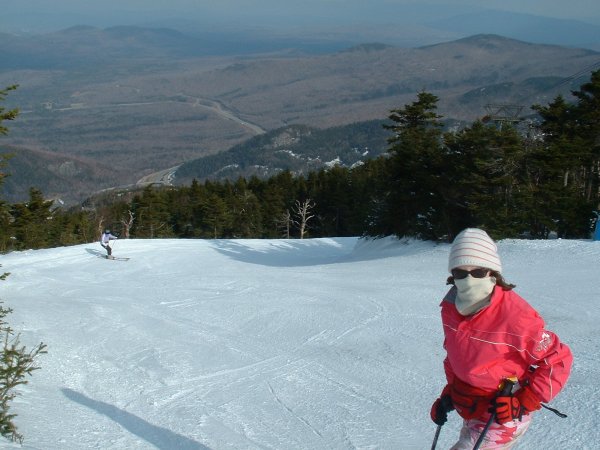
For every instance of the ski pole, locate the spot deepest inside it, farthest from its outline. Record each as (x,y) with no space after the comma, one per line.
(447,405)
(507,386)
(114,241)
(437,435)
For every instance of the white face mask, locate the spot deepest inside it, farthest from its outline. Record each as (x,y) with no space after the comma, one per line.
(473,293)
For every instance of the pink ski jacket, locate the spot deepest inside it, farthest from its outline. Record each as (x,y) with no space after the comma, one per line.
(506,338)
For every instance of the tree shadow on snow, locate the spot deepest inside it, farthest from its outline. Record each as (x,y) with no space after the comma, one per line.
(155,435)
(314,252)
(284,252)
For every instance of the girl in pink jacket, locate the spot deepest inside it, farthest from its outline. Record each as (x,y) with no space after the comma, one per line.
(491,335)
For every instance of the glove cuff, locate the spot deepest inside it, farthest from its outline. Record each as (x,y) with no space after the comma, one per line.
(528,399)
(445,391)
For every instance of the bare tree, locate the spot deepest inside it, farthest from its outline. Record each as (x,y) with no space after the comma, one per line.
(303,213)
(127,223)
(100,226)
(285,222)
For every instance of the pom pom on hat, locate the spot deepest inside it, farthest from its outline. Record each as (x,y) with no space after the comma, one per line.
(473,247)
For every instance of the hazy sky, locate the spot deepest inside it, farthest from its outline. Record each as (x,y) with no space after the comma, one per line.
(558,8)
(580,9)
(36,14)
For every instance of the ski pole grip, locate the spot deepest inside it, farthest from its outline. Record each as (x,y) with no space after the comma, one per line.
(507,385)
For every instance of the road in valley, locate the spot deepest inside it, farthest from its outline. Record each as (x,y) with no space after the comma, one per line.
(219,109)
(166,176)
(161,177)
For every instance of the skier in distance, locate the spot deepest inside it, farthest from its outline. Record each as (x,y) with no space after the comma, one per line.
(105,241)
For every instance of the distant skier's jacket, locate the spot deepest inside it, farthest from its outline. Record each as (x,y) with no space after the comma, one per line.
(106,237)
(505,339)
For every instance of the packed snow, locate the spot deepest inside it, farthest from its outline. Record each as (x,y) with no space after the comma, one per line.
(273,344)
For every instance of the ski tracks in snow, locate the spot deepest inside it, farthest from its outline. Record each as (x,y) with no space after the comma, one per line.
(223,393)
(292,413)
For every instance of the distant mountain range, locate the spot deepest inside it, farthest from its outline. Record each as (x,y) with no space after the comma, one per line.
(81,46)
(525,27)
(132,101)
(318,26)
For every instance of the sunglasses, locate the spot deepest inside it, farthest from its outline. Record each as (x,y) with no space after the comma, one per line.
(460,274)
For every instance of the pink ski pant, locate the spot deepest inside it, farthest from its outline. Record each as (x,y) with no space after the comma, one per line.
(498,437)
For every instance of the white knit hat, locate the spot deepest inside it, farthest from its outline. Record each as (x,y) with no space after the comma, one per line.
(473,247)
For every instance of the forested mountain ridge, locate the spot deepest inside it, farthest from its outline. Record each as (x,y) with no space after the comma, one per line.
(146,111)
(52,172)
(298,148)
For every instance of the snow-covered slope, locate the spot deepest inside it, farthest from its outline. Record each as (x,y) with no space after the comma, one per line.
(273,344)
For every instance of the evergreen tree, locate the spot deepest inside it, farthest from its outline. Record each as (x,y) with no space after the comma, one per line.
(335,202)
(588,120)
(462,178)
(412,203)
(276,200)
(245,211)
(16,362)
(569,158)
(151,210)
(481,184)
(216,217)
(6,238)
(372,188)
(197,196)
(34,225)
(6,114)
(546,170)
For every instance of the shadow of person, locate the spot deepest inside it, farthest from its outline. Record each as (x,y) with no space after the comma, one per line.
(158,436)
(95,252)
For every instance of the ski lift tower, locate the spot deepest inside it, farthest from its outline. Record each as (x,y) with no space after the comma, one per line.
(503,114)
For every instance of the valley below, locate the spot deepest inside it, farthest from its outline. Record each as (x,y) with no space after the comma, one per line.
(127,120)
